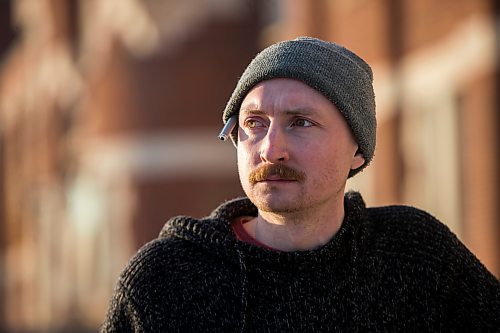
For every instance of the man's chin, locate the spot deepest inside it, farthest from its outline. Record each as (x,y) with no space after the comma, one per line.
(275,206)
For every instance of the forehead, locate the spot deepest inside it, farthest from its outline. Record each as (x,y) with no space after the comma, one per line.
(284,94)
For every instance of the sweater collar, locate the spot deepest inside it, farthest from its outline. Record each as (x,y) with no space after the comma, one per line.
(215,235)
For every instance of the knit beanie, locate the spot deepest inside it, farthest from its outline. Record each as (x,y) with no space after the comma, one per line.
(334,71)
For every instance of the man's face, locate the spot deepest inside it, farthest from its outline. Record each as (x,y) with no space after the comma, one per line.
(295,149)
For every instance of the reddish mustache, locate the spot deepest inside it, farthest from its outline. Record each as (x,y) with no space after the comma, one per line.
(282,171)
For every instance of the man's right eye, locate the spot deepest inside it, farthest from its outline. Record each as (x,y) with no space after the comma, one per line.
(252,123)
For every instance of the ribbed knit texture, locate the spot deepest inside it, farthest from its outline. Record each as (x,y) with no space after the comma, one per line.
(331,69)
(388,269)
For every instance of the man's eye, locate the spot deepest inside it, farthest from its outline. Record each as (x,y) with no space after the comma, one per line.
(300,122)
(252,123)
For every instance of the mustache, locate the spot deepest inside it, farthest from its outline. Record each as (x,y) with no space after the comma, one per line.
(282,171)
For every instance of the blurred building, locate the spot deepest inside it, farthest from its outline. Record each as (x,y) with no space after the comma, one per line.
(109,112)
(437,83)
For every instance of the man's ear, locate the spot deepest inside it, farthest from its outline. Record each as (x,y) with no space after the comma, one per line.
(358,160)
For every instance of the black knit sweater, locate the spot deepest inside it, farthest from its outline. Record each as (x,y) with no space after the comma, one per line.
(388,269)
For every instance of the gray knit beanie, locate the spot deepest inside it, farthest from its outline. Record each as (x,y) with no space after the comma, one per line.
(339,74)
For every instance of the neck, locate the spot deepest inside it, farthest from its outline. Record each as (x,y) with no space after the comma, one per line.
(297,231)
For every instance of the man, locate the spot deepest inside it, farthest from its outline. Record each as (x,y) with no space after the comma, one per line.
(299,255)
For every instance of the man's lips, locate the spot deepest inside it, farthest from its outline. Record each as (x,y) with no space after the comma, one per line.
(274,178)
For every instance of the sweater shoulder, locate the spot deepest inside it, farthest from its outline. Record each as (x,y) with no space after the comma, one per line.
(405,218)
(413,235)
(168,280)
(154,260)
(186,249)
(410,232)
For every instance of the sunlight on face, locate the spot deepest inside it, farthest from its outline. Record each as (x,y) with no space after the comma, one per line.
(285,122)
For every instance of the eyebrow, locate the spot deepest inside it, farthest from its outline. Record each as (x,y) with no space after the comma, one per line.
(300,112)
(291,112)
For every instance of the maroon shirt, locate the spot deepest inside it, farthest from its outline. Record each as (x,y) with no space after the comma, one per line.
(244,236)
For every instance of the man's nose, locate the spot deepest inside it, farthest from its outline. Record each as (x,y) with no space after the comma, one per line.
(274,146)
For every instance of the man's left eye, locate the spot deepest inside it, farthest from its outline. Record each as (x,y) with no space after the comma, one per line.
(302,123)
